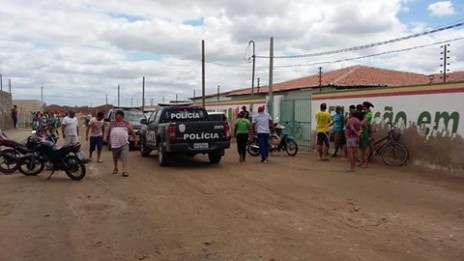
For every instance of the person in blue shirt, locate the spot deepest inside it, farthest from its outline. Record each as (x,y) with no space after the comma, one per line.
(338,130)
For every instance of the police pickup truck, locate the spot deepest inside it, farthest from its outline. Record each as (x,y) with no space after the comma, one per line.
(175,130)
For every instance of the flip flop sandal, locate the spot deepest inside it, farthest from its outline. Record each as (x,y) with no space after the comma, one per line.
(115,171)
(125,174)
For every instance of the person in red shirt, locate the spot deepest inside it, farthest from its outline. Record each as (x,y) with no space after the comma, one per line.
(14,115)
(118,134)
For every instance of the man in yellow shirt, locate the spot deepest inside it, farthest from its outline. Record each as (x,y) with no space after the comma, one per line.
(323,120)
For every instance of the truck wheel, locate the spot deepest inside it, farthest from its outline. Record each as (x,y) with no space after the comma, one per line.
(144,151)
(163,156)
(214,156)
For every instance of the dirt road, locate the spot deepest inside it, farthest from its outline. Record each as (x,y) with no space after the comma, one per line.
(288,209)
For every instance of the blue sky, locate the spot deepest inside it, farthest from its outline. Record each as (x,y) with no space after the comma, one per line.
(419,12)
(82,50)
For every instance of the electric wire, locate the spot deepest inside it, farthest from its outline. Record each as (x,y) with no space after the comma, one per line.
(366,46)
(371,55)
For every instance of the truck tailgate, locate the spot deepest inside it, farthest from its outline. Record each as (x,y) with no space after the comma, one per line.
(202,134)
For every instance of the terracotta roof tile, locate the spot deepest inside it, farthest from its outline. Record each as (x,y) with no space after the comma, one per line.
(353,76)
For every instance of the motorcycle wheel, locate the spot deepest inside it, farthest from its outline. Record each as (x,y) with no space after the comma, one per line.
(291,147)
(8,165)
(75,168)
(253,148)
(31,166)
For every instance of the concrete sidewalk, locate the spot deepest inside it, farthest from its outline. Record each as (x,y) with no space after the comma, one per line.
(19,134)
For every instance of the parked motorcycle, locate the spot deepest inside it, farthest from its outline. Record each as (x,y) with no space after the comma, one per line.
(14,149)
(56,158)
(278,141)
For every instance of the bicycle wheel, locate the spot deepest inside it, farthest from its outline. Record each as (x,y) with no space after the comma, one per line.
(371,152)
(394,154)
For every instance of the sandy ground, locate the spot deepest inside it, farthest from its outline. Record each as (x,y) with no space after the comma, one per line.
(292,208)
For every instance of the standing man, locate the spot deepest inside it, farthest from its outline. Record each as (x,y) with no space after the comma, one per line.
(96,128)
(323,119)
(70,128)
(338,123)
(246,114)
(118,132)
(14,115)
(242,127)
(261,122)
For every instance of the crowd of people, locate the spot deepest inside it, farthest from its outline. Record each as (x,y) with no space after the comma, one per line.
(261,125)
(348,133)
(95,133)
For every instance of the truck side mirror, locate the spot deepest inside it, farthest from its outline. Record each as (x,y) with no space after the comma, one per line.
(143,121)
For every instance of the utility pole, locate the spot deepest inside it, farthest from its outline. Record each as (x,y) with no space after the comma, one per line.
(253,68)
(258,84)
(119,95)
(132,101)
(9,85)
(203,73)
(42,97)
(320,79)
(143,93)
(1,82)
(271,70)
(445,61)
(218,91)
(106,98)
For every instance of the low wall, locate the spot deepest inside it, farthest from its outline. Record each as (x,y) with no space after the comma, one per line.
(429,116)
(5,110)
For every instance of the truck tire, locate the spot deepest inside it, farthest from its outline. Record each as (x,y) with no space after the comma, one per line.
(163,156)
(214,156)
(144,151)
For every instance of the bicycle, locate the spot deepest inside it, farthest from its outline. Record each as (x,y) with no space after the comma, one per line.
(294,129)
(392,151)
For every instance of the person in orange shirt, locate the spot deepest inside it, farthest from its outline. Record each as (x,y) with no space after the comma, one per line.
(323,120)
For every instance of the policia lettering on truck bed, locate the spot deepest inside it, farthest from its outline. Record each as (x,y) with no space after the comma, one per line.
(183,130)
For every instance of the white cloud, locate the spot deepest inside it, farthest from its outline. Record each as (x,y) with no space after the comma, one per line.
(82,50)
(442,8)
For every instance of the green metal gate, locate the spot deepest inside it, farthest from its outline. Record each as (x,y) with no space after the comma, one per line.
(295,115)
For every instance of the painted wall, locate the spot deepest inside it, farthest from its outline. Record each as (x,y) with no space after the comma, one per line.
(232,108)
(5,110)
(431,118)
(25,107)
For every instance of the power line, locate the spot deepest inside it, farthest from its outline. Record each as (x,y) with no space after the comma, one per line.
(185,76)
(228,65)
(372,55)
(366,46)
(342,60)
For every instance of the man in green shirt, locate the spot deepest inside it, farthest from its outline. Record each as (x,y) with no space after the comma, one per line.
(364,141)
(241,130)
